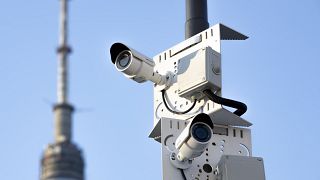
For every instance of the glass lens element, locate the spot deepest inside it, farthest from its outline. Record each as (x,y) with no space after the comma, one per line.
(201,132)
(123,60)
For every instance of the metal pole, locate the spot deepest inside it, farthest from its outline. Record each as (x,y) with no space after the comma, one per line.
(196,17)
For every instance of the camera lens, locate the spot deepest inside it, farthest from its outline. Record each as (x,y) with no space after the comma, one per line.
(201,132)
(124,59)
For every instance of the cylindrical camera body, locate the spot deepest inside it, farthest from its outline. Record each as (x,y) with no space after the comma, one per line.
(134,65)
(200,135)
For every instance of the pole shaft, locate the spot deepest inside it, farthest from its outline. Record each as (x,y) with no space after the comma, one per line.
(196,17)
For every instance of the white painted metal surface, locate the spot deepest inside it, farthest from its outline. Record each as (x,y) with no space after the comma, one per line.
(237,141)
(195,64)
(171,61)
(241,168)
(199,71)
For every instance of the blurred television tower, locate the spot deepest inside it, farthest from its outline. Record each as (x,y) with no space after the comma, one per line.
(62,159)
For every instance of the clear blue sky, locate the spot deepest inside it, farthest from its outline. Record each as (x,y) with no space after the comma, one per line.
(276,72)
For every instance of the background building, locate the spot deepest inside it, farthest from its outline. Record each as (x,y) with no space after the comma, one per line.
(62,159)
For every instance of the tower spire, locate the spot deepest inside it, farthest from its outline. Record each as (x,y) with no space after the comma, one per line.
(62,159)
(63,110)
(63,52)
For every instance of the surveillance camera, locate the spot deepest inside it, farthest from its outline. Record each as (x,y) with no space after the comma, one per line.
(135,65)
(194,139)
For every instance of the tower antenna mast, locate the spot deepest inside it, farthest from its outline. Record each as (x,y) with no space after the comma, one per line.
(63,110)
(62,159)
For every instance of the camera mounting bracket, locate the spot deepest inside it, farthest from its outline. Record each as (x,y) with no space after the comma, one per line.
(225,141)
(172,60)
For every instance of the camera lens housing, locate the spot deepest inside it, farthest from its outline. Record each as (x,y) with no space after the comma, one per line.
(195,138)
(201,132)
(128,64)
(123,60)
(134,65)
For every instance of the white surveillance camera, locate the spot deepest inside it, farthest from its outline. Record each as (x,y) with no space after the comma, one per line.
(135,65)
(194,139)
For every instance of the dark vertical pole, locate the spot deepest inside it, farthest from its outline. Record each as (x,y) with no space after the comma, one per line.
(196,17)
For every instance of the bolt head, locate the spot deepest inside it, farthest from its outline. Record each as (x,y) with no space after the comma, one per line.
(173,156)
